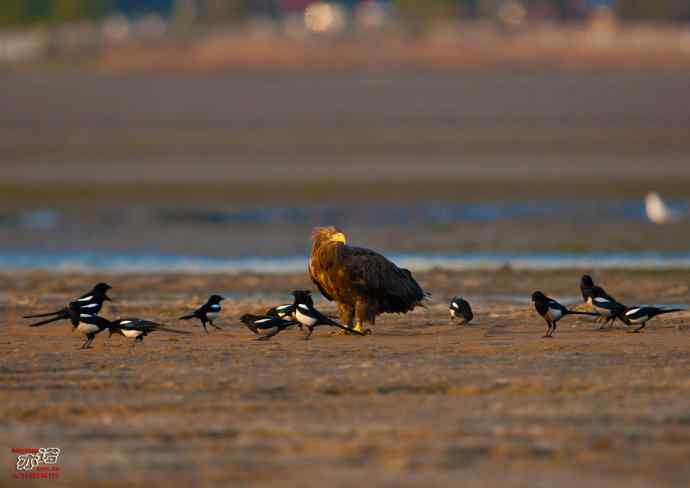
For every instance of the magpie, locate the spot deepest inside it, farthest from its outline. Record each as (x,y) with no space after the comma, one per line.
(90,302)
(640,315)
(586,286)
(137,329)
(207,312)
(265,326)
(460,307)
(308,316)
(281,312)
(86,324)
(606,306)
(92,324)
(287,311)
(552,311)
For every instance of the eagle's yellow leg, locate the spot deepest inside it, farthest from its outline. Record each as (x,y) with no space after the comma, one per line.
(358,326)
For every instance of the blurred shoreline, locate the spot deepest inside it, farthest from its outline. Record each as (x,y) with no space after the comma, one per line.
(601,45)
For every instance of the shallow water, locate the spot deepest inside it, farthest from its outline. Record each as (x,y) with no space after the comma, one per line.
(149,263)
(522,234)
(361,213)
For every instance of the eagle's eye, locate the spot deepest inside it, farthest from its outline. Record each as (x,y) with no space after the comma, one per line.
(339,237)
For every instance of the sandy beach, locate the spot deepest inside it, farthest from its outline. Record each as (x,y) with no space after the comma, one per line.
(114,170)
(418,401)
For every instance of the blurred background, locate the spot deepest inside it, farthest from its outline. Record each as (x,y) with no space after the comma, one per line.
(214,134)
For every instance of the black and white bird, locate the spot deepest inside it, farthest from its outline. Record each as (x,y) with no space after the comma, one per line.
(207,312)
(586,287)
(265,326)
(309,317)
(87,324)
(90,303)
(608,308)
(641,315)
(552,311)
(281,311)
(287,311)
(91,324)
(137,329)
(460,308)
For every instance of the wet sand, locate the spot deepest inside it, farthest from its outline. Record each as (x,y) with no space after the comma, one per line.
(419,401)
(229,129)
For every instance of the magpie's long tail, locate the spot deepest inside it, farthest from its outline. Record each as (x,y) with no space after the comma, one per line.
(52,319)
(186,317)
(175,331)
(575,312)
(47,314)
(328,321)
(670,310)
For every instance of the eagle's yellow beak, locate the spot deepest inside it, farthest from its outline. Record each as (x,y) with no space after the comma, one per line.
(339,237)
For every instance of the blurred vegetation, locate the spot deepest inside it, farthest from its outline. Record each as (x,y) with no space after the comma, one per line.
(658,10)
(20,12)
(416,13)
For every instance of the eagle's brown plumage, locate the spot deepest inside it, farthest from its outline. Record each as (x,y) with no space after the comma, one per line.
(362,282)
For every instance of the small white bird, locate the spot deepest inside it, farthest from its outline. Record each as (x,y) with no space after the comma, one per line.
(657,210)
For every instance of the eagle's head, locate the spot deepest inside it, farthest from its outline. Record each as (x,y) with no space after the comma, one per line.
(324,235)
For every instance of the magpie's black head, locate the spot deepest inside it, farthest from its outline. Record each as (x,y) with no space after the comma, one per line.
(538,296)
(303,297)
(101,289)
(248,318)
(215,299)
(586,281)
(301,293)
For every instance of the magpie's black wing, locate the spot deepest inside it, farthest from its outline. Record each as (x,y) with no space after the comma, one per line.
(607,303)
(280,311)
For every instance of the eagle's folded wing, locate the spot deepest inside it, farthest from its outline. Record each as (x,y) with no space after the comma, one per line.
(394,288)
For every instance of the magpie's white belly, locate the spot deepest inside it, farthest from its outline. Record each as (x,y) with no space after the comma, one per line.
(554,314)
(304,319)
(452,312)
(639,320)
(87,329)
(131,333)
(604,312)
